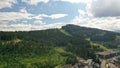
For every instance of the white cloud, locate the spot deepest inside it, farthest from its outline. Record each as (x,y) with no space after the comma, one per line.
(102,14)
(39,22)
(104,8)
(23,16)
(106,23)
(28,27)
(76,1)
(47,26)
(100,8)
(15,27)
(7,3)
(53,16)
(13,16)
(35,2)
(82,13)
(40,16)
(56,16)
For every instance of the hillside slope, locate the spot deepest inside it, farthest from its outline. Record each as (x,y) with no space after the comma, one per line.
(107,38)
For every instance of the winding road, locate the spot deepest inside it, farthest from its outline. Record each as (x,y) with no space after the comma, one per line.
(103,64)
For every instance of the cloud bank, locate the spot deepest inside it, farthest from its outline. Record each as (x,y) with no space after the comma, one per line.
(38,24)
(28,27)
(34,2)
(102,14)
(7,3)
(104,8)
(108,23)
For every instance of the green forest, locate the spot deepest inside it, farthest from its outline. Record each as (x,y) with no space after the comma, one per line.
(53,48)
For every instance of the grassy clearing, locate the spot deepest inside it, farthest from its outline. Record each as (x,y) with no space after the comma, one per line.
(65,32)
(99,45)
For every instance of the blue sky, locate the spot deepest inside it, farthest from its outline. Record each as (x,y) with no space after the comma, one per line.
(26,15)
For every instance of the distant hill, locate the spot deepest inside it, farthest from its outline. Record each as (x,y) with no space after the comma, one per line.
(107,38)
(53,47)
(117,31)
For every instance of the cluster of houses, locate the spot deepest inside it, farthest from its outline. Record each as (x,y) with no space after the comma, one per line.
(108,54)
(83,64)
(112,58)
(113,63)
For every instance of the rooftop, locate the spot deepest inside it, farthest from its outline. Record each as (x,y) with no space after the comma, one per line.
(107,52)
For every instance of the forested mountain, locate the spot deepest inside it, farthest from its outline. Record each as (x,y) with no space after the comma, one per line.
(107,38)
(53,47)
(117,31)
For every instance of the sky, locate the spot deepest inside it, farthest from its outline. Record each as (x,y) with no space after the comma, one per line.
(27,15)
